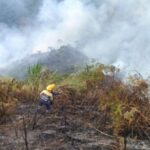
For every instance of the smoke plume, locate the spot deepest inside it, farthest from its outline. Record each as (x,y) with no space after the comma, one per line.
(112,31)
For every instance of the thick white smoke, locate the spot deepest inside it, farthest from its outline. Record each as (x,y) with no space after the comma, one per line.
(113,31)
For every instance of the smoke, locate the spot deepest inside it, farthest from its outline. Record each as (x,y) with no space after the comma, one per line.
(112,31)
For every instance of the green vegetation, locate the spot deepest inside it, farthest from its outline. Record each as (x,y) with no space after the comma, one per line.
(34,74)
(39,77)
(79,80)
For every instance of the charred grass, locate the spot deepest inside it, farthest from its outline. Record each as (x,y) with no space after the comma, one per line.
(100,101)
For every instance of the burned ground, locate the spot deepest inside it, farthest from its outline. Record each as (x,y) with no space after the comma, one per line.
(70,128)
(99,112)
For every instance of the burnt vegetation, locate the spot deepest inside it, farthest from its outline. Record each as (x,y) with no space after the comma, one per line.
(99,101)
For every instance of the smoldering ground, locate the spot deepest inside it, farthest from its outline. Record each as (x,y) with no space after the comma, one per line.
(112,31)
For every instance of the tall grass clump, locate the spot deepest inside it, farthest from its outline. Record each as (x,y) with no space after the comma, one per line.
(34,75)
(38,75)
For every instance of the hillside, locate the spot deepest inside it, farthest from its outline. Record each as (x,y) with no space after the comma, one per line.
(92,111)
(63,60)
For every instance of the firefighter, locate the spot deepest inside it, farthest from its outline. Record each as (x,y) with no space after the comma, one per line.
(47,97)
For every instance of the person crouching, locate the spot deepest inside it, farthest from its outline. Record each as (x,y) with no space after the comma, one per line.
(46,98)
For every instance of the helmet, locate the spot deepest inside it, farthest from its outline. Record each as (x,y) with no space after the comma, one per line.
(50,87)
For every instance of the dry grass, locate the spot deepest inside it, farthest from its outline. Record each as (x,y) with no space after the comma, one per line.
(109,104)
(125,108)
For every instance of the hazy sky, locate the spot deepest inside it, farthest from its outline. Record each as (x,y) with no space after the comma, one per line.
(114,31)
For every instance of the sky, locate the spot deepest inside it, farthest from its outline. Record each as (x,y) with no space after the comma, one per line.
(114,32)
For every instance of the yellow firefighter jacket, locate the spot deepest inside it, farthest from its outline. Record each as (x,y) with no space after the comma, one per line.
(45,95)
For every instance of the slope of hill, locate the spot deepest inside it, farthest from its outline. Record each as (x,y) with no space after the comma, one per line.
(91,111)
(63,60)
